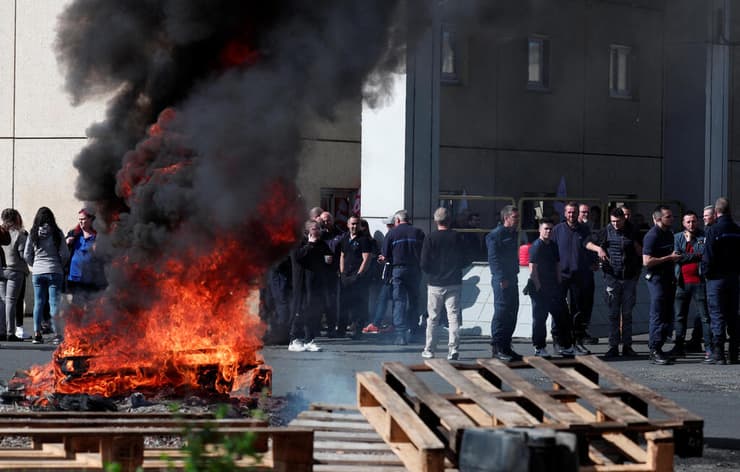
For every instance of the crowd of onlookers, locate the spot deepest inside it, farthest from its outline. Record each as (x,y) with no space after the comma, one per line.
(326,282)
(56,263)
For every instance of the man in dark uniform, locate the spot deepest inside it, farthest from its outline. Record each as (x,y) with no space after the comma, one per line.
(354,266)
(402,248)
(659,258)
(546,294)
(619,249)
(576,270)
(721,263)
(503,261)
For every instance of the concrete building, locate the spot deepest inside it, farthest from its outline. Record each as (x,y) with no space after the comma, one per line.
(620,99)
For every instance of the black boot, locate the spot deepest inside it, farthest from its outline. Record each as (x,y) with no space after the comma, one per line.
(718,354)
(658,357)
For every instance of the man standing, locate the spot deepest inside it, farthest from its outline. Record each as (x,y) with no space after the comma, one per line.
(332,236)
(577,274)
(503,261)
(690,285)
(354,264)
(618,247)
(721,268)
(546,294)
(659,258)
(443,258)
(402,249)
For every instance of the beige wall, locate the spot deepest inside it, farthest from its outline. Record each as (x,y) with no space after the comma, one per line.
(40,131)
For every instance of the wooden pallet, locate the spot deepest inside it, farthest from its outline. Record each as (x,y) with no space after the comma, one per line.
(621,425)
(88,445)
(344,441)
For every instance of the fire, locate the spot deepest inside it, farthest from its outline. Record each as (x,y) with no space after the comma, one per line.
(200,332)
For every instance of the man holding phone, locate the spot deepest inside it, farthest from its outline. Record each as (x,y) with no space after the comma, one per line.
(659,259)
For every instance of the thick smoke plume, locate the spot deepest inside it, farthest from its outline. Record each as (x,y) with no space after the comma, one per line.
(227,85)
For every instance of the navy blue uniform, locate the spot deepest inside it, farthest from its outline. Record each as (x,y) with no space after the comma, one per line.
(577,274)
(721,265)
(661,285)
(503,261)
(549,298)
(402,249)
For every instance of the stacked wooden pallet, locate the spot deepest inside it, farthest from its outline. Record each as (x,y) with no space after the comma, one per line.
(620,425)
(88,441)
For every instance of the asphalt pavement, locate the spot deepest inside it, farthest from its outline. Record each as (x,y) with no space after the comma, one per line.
(712,392)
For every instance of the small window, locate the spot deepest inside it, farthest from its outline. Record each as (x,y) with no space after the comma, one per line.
(538,77)
(450,61)
(620,73)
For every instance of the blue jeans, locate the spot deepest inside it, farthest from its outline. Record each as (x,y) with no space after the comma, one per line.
(46,287)
(684,295)
(505,309)
(723,304)
(662,289)
(405,296)
(10,289)
(384,295)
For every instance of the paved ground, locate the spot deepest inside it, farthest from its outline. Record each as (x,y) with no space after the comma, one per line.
(329,376)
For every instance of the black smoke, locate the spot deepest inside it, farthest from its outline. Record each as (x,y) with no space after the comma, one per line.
(236,124)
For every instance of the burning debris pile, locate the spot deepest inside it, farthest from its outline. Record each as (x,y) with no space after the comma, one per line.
(192,175)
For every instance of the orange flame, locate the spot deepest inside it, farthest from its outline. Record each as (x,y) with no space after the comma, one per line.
(201,330)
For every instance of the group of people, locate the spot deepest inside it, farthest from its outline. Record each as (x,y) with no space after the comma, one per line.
(332,273)
(57,263)
(690,265)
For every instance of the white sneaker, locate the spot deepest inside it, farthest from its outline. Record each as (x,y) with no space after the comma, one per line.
(19,332)
(296,345)
(542,352)
(312,347)
(427,354)
(452,356)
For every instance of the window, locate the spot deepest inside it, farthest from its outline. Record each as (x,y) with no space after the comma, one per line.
(449,53)
(538,76)
(620,79)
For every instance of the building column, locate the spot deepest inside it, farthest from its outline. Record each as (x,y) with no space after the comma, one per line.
(717,101)
(400,140)
(696,94)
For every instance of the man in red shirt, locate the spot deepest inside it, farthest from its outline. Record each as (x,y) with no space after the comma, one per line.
(690,285)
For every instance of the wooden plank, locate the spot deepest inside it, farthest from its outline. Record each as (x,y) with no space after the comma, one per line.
(613,409)
(344,436)
(555,410)
(345,426)
(418,433)
(326,446)
(408,437)
(618,379)
(660,450)
(131,422)
(451,418)
(357,459)
(368,467)
(503,412)
(331,416)
(478,379)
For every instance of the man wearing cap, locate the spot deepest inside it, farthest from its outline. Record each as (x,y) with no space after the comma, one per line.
(384,294)
(85,269)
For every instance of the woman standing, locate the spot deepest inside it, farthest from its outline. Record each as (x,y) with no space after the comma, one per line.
(14,272)
(47,254)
